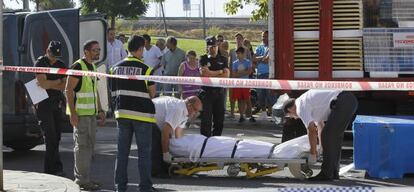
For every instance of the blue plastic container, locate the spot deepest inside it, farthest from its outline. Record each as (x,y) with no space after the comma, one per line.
(384,145)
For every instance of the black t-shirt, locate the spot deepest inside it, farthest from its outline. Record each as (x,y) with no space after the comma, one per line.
(213,64)
(43,61)
(77,66)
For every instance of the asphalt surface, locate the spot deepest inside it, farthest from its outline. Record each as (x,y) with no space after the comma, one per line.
(103,166)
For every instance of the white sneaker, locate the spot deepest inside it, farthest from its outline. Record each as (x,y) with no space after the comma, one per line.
(263,116)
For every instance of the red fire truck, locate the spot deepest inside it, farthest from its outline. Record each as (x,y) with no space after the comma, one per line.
(346,40)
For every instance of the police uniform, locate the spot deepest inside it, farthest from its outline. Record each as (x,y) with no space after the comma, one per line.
(213,97)
(134,112)
(50,114)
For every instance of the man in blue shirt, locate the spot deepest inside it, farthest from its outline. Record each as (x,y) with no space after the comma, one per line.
(241,69)
(266,97)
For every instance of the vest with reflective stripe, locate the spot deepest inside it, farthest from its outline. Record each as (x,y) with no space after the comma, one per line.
(132,100)
(86,102)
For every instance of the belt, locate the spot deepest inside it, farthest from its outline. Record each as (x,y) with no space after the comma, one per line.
(332,105)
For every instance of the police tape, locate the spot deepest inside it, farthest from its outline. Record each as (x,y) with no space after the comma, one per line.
(232,82)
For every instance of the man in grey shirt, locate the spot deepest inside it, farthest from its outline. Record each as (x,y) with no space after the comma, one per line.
(171,62)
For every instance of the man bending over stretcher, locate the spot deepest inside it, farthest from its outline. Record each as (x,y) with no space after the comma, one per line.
(171,115)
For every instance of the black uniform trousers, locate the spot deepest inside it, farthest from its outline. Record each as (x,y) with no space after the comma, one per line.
(342,112)
(158,164)
(213,111)
(50,116)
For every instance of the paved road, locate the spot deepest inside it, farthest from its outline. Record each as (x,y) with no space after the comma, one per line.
(103,165)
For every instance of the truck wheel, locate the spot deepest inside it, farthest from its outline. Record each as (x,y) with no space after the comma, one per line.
(22,146)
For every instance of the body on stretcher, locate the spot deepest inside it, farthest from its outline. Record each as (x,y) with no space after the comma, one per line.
(195,153)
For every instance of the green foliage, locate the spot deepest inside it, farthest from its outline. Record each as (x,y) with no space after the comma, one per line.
(53,4)
(129,9)
(233,6)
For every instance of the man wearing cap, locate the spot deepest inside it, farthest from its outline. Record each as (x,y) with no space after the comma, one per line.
(212,65)
(49,111)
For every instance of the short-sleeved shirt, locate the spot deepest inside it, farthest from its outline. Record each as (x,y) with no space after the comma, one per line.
(314,105)
(170,110)
(213,64)
(152,58)
(77,66)
(262,50)
(172,61)
(44,62)
(242,65)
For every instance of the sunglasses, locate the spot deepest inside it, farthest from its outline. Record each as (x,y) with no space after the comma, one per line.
(96,50)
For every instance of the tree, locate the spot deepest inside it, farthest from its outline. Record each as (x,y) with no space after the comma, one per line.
(233,6)
(121,8)
(53,4)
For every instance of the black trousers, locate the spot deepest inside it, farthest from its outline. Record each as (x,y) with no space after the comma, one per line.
(158,164)
(343,110)
(50,116)
(213,111)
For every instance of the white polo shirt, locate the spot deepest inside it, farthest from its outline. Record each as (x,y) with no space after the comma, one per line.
(152,58)
(314,105)
(170,110)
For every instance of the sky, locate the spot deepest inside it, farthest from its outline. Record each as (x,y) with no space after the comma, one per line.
(173,8)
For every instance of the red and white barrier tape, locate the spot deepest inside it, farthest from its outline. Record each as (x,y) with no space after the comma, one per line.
(231,82)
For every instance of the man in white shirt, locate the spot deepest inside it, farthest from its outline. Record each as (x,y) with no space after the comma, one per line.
(162,45)
(336,108)
(152,55)
(171,115)
(115,49)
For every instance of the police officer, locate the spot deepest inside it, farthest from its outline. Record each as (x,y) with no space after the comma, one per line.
(213,65)
(134,113)
(49,111)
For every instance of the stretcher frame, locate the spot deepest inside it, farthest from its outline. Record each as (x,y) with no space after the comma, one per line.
(253,167)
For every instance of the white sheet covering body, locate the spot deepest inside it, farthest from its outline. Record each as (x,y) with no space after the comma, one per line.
(222,147)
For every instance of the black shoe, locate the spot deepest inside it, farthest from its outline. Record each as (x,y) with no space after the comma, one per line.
(320,177)
(149,190)
(252,120)
(336,176)
(242,119)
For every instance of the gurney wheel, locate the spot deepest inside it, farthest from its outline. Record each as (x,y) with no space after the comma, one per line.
(306,170)
(296,170)
(173,168)
(233,170)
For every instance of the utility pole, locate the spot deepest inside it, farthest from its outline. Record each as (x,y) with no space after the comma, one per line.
(1,96)
(26,5)
(204,19)
(163,17)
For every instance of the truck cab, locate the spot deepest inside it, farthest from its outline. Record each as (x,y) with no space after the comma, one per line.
(26,37)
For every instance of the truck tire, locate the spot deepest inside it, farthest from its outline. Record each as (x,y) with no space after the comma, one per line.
(22,146)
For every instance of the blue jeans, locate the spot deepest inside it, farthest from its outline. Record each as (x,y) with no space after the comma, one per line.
(143,137)
(169,88)
(265,96)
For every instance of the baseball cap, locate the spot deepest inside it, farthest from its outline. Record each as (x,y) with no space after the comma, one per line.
(211,41)
(56,48)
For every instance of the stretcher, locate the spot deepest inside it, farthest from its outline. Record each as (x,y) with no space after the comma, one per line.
(252,167)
